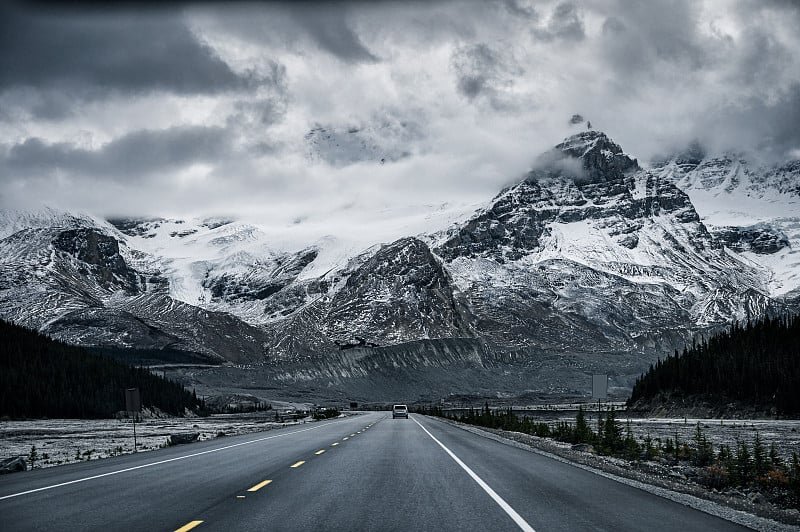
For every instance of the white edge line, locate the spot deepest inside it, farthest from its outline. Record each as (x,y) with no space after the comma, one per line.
(159,462)
(521,523)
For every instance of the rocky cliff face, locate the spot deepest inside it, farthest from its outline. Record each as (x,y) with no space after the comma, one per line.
(99,255)
(760,239)
(401,293)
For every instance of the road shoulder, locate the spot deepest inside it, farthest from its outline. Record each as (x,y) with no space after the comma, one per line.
(758,517)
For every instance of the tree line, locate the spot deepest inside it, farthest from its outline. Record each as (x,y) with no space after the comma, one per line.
(757,363)
(42,377)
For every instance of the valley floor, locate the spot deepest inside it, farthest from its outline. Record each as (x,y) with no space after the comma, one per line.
(63,441)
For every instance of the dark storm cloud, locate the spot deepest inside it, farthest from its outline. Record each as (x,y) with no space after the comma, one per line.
(482,71)
(769,127)
(477,69)
(88,54)
(761,60)
(520,8)
(135,155)
(264,110)
(640,34)
(328,26)
(565,23)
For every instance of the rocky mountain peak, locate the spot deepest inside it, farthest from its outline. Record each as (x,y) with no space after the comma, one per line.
(100,254)
(601,158)
(402,292)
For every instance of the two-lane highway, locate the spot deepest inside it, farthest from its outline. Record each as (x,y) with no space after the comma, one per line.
(365,472)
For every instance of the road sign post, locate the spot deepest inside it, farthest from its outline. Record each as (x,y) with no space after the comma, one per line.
(133,403)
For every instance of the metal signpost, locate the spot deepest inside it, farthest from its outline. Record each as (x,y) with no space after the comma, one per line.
(133,403)
(599,389)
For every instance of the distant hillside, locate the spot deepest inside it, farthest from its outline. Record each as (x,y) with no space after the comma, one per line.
(757,365)
(41,377)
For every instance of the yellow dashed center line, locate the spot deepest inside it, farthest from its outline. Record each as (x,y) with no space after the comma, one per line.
(188,526)
(320,451)
(260,485)
(298,464)
(334,444)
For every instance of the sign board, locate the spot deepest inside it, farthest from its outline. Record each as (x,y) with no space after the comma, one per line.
(599,386)
(133,402)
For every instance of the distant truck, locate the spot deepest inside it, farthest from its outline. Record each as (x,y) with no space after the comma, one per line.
(399,411)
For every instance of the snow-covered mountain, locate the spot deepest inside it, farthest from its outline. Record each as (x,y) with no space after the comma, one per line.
(591,263)
(754,209)
(76,278)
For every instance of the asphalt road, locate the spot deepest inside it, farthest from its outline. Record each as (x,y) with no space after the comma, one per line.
(366,472)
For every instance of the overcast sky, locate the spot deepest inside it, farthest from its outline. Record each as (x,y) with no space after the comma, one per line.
(201,109)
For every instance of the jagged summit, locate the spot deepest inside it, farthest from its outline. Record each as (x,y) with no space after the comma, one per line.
(588,156)
(603,159)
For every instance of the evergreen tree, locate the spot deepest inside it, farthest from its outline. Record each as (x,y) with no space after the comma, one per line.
(611,441)
(758,363)
(744,464)
(703,450)
(774,460)
(759,457)
(632,450)
(33,456)
(41,377)
(583,433)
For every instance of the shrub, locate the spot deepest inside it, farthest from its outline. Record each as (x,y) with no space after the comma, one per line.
(773,479)
(326,413)
(715,477)
(703,450)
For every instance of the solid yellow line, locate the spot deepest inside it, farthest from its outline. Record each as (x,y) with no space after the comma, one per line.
(188,526)
(334,444)
(260,485)
(298,464)
(320,451)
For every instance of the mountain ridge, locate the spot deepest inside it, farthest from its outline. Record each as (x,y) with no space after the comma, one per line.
(590,260)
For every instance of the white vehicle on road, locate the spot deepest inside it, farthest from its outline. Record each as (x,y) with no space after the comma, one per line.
(399,411)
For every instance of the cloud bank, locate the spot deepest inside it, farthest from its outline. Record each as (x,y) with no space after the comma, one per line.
(338,115)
